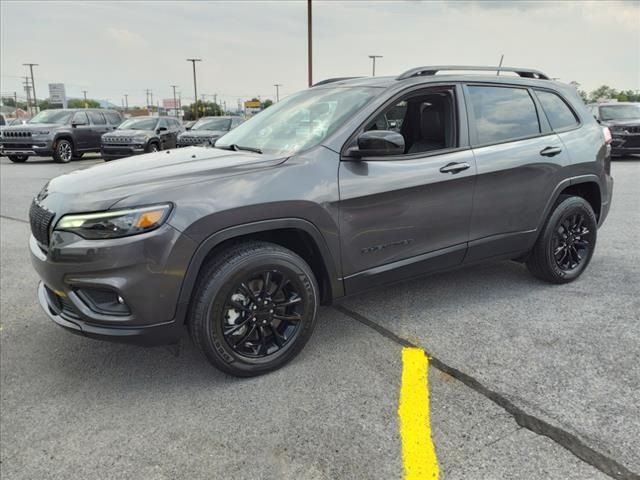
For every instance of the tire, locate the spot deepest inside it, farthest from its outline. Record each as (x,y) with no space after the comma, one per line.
(152,147)
(252,337)
(567,242)
(18,158)
(63,152)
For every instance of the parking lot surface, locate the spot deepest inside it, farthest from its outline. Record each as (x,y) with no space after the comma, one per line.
(527,380)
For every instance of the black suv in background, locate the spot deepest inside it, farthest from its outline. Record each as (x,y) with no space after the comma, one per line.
(316,198)
(207,130)
(65,134)
(140,135)
(623,119)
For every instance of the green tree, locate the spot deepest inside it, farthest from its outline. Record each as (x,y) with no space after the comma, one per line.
(45,105)
(267,103)
(205,109)
(79,103)
(602,93)
(10,102)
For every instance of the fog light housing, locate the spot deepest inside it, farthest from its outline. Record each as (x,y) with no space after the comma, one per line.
(106,302)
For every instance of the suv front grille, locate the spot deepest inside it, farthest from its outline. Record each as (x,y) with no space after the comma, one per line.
(40,220)
(632,129)
(16,134)
(121,140)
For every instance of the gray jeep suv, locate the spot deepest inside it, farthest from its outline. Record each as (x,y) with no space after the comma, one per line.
(311,200)
(207,130)
(65,134)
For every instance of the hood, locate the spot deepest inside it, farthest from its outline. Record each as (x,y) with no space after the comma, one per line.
(128,133)
(99,187)
(202,133)
(30,127)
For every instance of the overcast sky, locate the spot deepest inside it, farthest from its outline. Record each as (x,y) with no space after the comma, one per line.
(111,48)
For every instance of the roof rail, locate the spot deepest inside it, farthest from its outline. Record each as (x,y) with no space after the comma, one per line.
(432,70)
(331,80)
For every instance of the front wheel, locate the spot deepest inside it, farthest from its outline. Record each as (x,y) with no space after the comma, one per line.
(63,152)
(18,158)
(566,243)
(152,147)
(254,308)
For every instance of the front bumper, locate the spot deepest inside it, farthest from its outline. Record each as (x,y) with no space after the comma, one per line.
(628,144)
(112,152)
(35,147)
(146,270)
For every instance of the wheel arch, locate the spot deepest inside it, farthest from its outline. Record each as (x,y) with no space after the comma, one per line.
(585,186)
(298,235)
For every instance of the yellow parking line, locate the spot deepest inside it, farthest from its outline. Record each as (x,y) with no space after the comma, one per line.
(418,454)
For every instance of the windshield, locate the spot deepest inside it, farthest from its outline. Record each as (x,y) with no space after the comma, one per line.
(212,124)
(52,116)
(300,121)
(620,112)
(138,124)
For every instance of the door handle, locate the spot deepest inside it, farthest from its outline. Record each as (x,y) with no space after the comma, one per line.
(455,167)
(550,151)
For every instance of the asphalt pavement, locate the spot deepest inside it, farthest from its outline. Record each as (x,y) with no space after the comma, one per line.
(527,380)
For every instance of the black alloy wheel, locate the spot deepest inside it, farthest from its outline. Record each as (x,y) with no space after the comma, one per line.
(566,243)
(572,242)
(254,308)
(262,314)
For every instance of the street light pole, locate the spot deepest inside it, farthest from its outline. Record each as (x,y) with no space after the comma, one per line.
(86,105)
(126,102)
(277,85)
(195,85)
(373,57)
(175,102)
(33,85)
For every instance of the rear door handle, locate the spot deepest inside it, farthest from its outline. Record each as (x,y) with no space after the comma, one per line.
(455,167)
(550,151)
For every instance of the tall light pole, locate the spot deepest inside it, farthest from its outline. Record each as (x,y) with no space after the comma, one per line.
(195,85)
(175,102)
(126,102)
(309,49)
(33,85)
(277,85)
(86,105)
(373,57)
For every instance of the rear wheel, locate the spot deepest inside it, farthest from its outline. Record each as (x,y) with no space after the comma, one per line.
(254,308)
(63,152)
(18,158)
(567,242)
(152,147)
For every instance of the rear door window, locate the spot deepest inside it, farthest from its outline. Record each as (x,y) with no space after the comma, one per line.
(97,118)
(558,113)
(113,118)
(501,114)
(80,118)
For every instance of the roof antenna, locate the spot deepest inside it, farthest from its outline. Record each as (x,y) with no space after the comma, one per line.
(500,65)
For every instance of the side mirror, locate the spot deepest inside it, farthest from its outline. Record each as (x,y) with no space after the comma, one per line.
(162,129)
(378,143)
(76,123)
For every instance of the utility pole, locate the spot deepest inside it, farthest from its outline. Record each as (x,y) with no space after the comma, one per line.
(27,89)
(126,102)
(309,49)
(373,57)
(33,85)
(195,85)
(86,105)
(15,103)
(277,85)
(175,102)
(147,91)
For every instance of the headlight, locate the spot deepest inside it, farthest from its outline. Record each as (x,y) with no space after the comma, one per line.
(116,223)
(140,139)
(41,132)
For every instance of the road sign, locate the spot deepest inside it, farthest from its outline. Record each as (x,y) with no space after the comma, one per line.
(57,94)
(252,104)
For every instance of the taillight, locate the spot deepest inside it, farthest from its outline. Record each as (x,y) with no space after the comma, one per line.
(607,135)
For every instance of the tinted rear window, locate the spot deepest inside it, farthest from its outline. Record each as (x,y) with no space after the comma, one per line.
(97,118)
(558,112)
(503,113)
(113,117)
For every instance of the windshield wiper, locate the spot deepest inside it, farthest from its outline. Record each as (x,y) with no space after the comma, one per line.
(236,148)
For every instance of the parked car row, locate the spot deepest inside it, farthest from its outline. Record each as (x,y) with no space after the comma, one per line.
(67,134)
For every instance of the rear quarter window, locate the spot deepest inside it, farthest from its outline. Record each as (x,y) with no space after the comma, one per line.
(558,113)
(113,118)
(501,114)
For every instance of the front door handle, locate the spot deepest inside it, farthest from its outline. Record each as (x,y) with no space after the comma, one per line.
(550,151)
(455,167)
